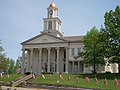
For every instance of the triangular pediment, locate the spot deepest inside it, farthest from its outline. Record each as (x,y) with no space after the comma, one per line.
(44,38)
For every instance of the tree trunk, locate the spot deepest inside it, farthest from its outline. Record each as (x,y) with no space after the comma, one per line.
(94,69)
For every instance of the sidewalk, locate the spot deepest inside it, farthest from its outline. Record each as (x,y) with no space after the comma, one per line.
(44,88)
(19,88)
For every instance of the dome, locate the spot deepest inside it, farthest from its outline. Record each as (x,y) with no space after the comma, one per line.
(52,5)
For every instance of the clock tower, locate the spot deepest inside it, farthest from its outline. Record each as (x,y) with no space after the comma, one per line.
(52,24)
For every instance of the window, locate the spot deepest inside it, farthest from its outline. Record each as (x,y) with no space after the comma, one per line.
(79,50)
(44,40)
(64,54)
(50,25)
(72,51)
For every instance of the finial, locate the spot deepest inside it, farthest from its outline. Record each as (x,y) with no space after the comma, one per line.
(52,5)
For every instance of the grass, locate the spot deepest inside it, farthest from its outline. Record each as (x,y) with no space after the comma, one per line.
(82,82)
(10,78)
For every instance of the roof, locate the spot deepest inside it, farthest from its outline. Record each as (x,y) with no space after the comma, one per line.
(42,35)
(73,38)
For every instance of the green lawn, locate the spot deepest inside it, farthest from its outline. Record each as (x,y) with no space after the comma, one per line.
(82,82)
(10,78)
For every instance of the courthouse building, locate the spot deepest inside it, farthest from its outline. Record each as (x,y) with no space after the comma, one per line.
(50,51)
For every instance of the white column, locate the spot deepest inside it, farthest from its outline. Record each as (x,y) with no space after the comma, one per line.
(115,68)
(23,61)
(48,68)
(45,25)
(39,64)
(29,67)
(27,61)
(31,59)
(73,66)
(66,62)
(57,59)
(78,66)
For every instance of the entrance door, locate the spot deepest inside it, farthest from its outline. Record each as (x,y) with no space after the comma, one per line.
(51,67)
(45,67)
(75,67)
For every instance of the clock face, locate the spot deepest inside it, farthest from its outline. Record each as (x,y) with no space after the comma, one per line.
(51,12)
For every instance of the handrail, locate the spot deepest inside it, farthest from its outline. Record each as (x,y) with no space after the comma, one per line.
(22,80)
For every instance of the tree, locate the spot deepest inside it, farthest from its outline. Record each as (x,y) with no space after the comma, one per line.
(112,29)
(18,64)
(3,60)
(7,64)
(92,53)
(12,66)
(1,48)
(105,44)
(4,63)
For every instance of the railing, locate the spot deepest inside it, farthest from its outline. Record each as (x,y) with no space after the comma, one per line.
(23,80)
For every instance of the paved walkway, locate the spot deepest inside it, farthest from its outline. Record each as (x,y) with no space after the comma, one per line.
(19,88)
(44,88)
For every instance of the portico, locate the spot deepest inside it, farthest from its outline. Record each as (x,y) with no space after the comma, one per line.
(46,59)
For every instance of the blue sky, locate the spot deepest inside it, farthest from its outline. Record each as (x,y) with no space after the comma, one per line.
(23,19)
